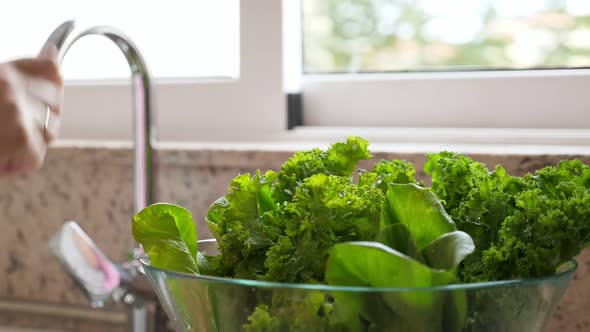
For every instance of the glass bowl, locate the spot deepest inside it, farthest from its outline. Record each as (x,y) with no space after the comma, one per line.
(207,303)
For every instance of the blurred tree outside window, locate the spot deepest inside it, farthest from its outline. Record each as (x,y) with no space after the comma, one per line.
(363,36)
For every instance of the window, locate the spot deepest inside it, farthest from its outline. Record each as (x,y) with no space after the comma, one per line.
(402,64)
(464,71)
(181,39)
(215,64)
(428,35)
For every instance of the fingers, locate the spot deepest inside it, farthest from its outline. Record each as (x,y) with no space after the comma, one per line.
(28,88)
(50,125)
(47,92)
(13,132)
(40,68)
(44,120)
(23,150)
(23,139)
(11,168)
(53,126)
(42,79)
(32,153)
(7,76)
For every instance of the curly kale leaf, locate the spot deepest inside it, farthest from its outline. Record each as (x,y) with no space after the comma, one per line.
(278,226)
(262,321)
(454,176)
(340,159)
(386,172)
(244,224)
(523,227)
(550,226)
(325,210)
(477,200)
(290,311)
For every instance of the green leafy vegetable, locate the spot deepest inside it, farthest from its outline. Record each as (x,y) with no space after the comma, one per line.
(415,229)
(291,311)
(523,227)
(386,172)
(242,223)
(325,210)
(262,321)
(372,264)
(340,159)
(280,226)
(449,250)
(550,225)
(312,222)
(398,237)
(168,235)
(419,210)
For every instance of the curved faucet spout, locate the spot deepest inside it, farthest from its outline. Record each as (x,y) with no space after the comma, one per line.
(124,277)
(64,37)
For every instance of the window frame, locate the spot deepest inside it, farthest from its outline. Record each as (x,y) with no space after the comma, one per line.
(475,99)
(485,107)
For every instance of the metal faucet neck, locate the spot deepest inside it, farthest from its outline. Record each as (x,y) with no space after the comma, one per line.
(142,101)
(64,37)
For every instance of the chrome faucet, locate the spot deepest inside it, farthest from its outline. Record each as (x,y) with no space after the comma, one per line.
(98,277)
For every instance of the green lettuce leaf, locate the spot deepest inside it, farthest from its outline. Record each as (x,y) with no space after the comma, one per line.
(398,237)
(449,250)
(419,210)
(373,264)
(168,235)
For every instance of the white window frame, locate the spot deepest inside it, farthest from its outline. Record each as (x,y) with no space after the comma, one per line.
(439,110)
(551,99)
(488,107)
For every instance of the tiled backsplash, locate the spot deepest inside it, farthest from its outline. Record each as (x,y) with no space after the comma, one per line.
(94,187)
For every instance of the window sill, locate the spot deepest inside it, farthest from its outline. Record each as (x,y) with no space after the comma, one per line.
(403,140)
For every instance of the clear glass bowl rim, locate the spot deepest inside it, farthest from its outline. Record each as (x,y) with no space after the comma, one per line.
(567,268)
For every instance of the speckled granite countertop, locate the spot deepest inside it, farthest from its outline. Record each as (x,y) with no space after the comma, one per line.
(93,185)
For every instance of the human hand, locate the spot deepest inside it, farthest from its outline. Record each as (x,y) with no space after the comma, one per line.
(28,87)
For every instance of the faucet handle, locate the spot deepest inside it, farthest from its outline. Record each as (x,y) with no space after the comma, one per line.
(98,276)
